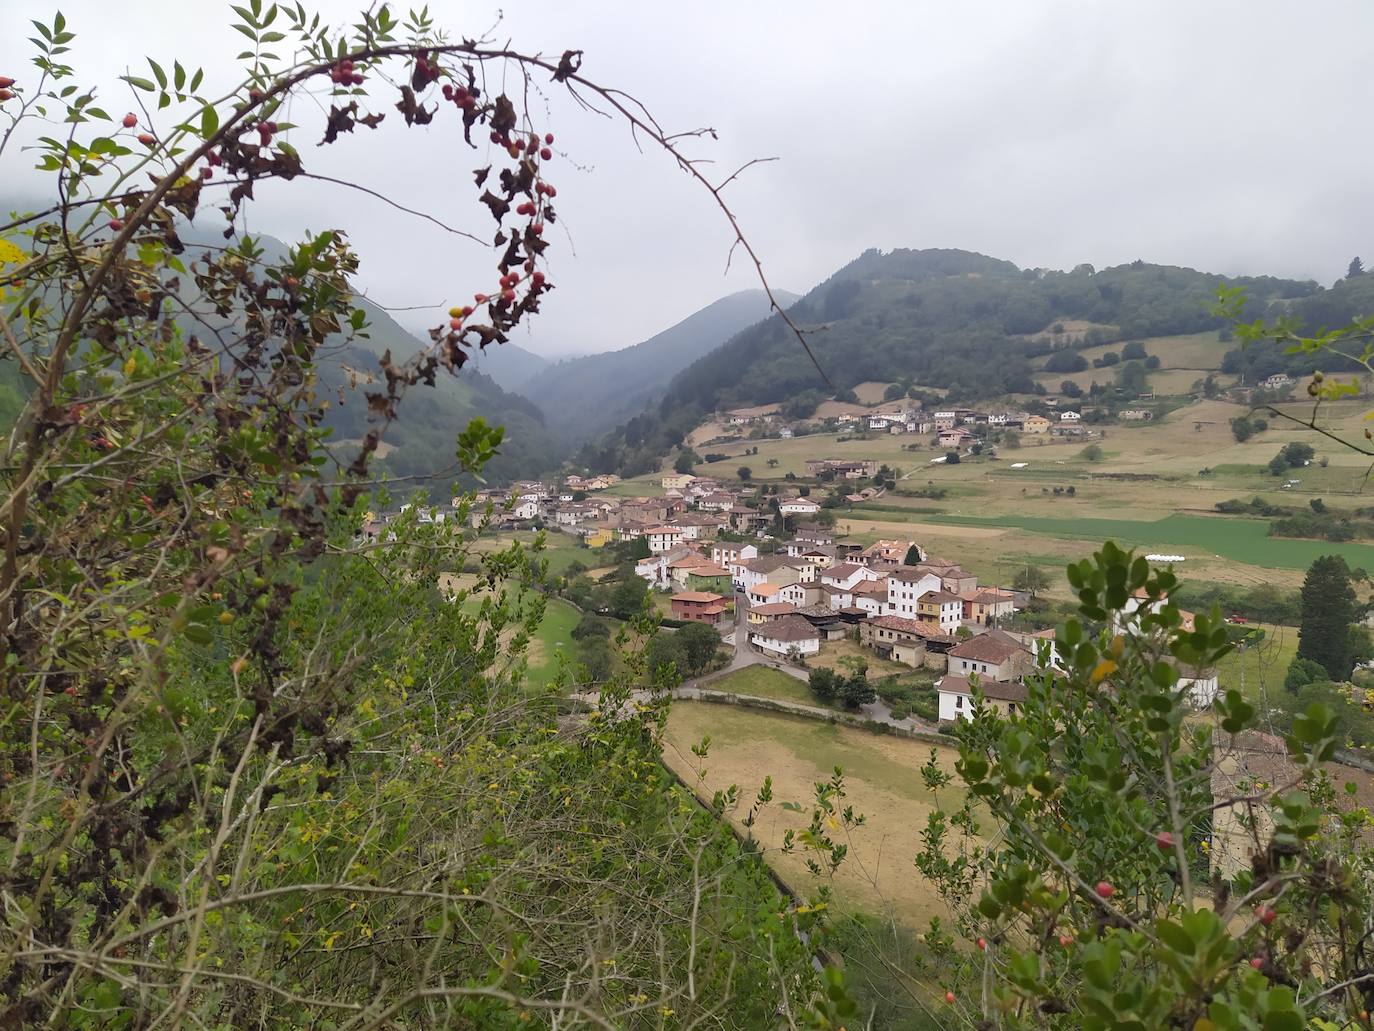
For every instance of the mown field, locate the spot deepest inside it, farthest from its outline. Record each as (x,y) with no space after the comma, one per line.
(882,781)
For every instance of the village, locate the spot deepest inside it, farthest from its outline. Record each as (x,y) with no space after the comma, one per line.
(771,575)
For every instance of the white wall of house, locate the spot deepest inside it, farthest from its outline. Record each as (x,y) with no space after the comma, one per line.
(902,595)
(858,576)
(954,706)
(807,646)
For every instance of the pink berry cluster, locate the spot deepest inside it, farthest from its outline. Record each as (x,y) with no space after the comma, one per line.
(342,74)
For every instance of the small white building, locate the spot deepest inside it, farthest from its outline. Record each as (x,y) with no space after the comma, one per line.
(799,506)
(725,552)
(1069,416)
(788,634)
(955,694)
(664,538)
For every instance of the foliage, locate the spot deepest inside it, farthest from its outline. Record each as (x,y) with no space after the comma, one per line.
(1091,453)
(698,643)
(1302,672)
(824,683)
(1031,579)
(744,473)
(686,461)
(1328,609)
(1078,865)
(260,771)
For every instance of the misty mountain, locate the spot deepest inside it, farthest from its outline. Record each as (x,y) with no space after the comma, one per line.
(953,319)
(509,365)
(581,397)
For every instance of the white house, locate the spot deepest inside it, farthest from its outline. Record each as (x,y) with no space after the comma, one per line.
(871,596)
(1278,381)
(777,568)
(800,595)
(788,634)
(1069,416)
(1201,685)
(955,695)
(526,508)
(905,586)
(847,575)
(653,569)
(664,538)
(991,656)
(799,506)
(725,552)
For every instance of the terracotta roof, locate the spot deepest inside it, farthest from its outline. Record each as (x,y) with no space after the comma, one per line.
(789,628)
(919,627)
(871,587)
(689,560)
(993,646)
(702,596)
(664,529)
(1001,690)
(765,590)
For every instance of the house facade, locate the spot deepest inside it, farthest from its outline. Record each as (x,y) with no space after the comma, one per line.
(788,634)
(699,606)
(955,697)
(942,608)
(905,587)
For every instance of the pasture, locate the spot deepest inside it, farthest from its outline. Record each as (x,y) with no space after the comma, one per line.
(882,781)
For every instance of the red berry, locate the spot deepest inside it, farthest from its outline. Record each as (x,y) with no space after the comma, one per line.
(467,310)
(949,998)
(1164,841)
(1265,915)
(1104,890)
(213,159)
(356,78)
(533,144)
(538,228)
(255,94)
(514,277)
(448,91)
(982,944)
(545,154)
(6,82)
(206,173)
(538,279)
(6,95)
(514,150)
(1065,941)
(455,323)
(1257,963)
(147,139)
(508,296)
(70,690)
(548,137)
(495,136)
(130,120)
(551,191)
(116,224)
(480,298)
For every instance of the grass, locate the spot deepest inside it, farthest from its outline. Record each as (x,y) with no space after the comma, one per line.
(882,781)
(765,682)
(1259,669)
(833,651)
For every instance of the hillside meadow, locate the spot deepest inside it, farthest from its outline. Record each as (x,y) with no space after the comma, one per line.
(882,781)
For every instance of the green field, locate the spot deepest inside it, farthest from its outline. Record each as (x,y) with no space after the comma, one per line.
(1241,540)
(1260,668)
(765,682)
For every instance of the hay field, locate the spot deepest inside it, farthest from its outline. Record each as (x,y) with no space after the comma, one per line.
(882,781)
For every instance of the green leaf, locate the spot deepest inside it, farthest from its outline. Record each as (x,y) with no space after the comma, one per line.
(158,73)
(137,83)
(209,121)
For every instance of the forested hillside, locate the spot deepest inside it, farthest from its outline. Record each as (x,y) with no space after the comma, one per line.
(951,319)
(420,442)
(585,396)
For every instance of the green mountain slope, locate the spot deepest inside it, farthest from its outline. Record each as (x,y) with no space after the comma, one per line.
(585,396)
(952,319)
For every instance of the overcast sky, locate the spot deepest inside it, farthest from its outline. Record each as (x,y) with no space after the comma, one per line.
(1229,136)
